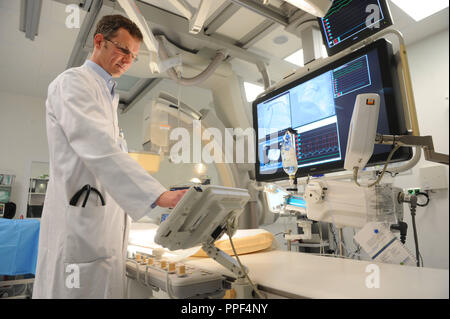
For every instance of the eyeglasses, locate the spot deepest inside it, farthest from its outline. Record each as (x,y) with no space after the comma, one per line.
(124,51)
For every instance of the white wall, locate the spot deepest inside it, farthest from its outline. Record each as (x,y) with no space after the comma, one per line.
(23,139)
(429,63)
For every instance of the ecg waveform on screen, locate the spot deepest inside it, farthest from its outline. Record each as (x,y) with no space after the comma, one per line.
(337,6)
(346,19)
(353,76)
(317,145)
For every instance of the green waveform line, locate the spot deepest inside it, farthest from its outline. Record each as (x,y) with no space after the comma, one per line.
(338,8)
(349,70)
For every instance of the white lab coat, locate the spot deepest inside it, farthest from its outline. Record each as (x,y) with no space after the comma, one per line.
(82,251)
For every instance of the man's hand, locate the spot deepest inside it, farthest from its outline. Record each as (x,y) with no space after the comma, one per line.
(170,198)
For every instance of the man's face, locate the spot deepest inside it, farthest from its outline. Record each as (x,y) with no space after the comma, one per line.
(112,57)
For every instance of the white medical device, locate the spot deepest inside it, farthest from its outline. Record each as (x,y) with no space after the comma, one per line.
(196,17)
(201,217)
(346,204)
(363,135)
(362,132)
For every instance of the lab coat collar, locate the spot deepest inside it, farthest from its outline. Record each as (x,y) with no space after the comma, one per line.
(111,84)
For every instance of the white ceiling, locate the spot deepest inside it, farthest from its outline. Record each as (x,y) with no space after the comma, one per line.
(415,31)
(27,67)
(240,24)
(166,5)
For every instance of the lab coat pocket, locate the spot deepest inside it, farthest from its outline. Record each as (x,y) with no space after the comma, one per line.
(86,234)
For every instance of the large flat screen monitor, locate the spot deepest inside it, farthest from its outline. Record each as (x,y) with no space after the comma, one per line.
(350,21)
(319,107)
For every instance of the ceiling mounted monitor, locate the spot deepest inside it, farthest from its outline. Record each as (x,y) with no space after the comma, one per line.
(351,21)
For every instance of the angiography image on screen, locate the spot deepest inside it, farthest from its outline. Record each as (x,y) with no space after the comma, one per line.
(274,115)
(313,101)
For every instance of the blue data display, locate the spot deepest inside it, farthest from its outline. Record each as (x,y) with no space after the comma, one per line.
(318,108)
(350,21)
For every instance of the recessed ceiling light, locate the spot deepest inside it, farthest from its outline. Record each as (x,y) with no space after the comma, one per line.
(281,39)
(419,9)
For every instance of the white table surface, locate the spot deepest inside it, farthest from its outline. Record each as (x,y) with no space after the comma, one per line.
(312,276)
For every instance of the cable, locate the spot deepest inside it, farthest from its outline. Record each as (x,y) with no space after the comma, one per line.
(393,174)
(412,200)
(416,240)
(210,69)
(240,264)
(356,169)
(334,236)
(421,259)
(278,234)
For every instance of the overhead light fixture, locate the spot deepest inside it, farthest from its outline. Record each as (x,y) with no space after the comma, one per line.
(199,18)
(196,17)
(132,11)
(318,8)
(419,9)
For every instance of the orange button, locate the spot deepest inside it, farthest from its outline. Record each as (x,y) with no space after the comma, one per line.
(370,102)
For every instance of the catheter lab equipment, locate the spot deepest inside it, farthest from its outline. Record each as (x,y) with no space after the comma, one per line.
(276,273)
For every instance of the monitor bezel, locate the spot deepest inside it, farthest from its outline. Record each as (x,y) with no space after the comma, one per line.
(395,114)
(386,23)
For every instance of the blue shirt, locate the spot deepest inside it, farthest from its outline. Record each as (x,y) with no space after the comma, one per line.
(110,83)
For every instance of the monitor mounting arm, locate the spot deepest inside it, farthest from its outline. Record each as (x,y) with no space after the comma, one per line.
(426,142)
(219,255)
(224,259)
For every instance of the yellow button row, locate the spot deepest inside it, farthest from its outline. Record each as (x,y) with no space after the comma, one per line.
(171,266)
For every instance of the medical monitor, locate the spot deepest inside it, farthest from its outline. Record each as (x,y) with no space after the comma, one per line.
(351,21)
(319,107)
(201,216)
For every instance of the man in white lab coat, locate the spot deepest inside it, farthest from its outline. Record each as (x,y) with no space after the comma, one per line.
(82,250)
